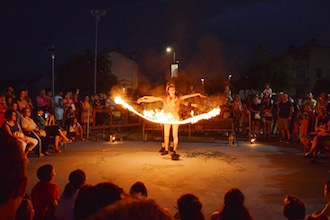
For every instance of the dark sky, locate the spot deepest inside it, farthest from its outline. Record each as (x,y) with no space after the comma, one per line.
(29,27)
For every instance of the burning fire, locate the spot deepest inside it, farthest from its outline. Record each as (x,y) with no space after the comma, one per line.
(159,116)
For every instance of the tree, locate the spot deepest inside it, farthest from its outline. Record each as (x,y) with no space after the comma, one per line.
(78,73)
(266,70)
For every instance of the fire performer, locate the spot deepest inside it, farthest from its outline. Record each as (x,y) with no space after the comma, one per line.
(171,105)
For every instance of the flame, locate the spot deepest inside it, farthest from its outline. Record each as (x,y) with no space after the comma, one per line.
(159,116)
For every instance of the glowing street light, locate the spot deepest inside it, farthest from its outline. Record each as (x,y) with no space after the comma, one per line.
(97,14)
(169,49)
(203,81)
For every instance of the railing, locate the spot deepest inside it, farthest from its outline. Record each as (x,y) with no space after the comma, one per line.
(107,119)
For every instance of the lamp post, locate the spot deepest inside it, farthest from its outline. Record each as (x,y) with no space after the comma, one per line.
(97,14)
(169,49)
(52,52)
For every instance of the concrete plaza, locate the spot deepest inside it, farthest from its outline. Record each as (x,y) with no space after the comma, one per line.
(264,172)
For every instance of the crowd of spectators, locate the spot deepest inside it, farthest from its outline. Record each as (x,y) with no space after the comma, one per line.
(80,200)
(71,115)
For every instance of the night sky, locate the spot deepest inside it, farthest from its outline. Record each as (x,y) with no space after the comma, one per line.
(29,27)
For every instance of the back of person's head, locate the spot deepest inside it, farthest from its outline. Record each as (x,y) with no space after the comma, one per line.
(77,179)
(13,180)
(293,208)
(190,208)
(234,206)
(142,208)
(45,173)
(25,210)
(138,189)
(92,198)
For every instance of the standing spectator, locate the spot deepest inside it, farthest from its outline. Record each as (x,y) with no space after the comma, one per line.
(65,209)
(267,91)
(10,93)
(325,212)
(58,108)
(267,114)
(255,109)
(42,100)
(237,111)
(28,99)
(310,101)
(12,170)
(322,101)
(284,113)
(86,114)
(3,108)
(233,207)
(21,101)
(45,193)
(50,101)
(67,102)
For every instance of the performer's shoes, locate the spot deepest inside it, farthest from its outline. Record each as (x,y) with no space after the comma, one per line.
(171,149)
(164,152)
(308,155)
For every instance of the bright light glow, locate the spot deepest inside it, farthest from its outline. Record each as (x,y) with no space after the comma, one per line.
(168,49)
(253,140)
(159,116)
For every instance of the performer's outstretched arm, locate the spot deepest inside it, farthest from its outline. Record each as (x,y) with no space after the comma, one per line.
(192,95)
(149,99)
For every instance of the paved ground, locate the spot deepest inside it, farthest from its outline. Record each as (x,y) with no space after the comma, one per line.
(265,172)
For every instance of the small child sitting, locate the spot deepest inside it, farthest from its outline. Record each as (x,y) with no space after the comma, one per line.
(44,194)
(75,129)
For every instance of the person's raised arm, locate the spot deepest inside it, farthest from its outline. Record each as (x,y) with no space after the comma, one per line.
(192,95)
(149,99)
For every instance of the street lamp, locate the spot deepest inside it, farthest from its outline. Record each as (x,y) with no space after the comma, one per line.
(203,81)
(52,52)
(169,49)
(97,14)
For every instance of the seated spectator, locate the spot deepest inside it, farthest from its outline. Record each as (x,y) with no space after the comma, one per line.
(3,108)
(13,129)
(322,130)
(293,208)
(233,207)
(129,208)
(75,129)
(44,194)
(190,208)
(25,210)
(47,120)
(92,198)
(70,114)
(138,189)
(65,209)
(325,212)
(12,170)
(31,129)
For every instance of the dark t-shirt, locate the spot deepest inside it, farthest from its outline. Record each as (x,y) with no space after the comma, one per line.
(284,109)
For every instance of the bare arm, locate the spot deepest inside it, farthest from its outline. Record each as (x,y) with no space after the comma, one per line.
(192,95)
(149,99)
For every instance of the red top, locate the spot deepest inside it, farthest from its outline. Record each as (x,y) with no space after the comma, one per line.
(42,194)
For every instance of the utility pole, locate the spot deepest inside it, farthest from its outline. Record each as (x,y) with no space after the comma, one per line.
(97,14)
